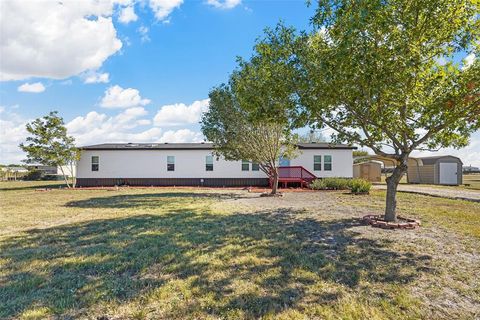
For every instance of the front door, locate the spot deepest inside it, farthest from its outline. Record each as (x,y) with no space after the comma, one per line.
(448,173)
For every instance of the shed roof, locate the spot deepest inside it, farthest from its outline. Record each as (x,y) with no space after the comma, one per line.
(195,146)
(411,160)
(434,159)
(376,162)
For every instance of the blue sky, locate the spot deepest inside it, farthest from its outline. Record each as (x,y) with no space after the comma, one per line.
(127,70)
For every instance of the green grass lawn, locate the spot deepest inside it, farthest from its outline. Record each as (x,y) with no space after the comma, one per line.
(160,253)
(471,181)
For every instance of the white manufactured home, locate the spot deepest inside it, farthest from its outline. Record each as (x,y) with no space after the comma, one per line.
(192,164)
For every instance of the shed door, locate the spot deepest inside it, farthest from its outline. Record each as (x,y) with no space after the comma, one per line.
(448,173)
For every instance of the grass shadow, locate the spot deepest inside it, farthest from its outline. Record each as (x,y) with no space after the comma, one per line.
(30,185)
(255,264)
(148,200)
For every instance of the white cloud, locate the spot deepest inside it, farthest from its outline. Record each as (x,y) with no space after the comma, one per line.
(95,77)
(84,124)
(144,122)
(117,97)
(55,39)
(95,128)
(163,8)
(180,114)
(12,133)
(182,135)
(127,15)
(468,61)
(143,33)
(225,4)
(126,117)
(36,87)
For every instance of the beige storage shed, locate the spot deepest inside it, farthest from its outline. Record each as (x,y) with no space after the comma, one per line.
(368,170)
(445,170)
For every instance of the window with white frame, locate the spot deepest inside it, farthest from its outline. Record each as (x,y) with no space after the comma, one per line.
(170,163)
(95,163)
(317,163)
(209,163)
(245,165)
(327,163)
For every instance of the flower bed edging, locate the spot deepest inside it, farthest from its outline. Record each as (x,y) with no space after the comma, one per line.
(403,223)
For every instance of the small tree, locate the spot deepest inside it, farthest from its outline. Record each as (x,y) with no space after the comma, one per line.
(49,144)
(238,136)
(383,75)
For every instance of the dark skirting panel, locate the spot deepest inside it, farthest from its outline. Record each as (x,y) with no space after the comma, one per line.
(192,182)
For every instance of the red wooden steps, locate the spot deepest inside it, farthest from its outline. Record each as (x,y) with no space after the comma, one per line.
(294,174)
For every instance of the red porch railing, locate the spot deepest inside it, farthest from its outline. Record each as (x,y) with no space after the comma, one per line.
(294,174)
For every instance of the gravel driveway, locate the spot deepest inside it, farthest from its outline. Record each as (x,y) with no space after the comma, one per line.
(438,191)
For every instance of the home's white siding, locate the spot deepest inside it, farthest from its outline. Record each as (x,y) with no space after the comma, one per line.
(191,164)
(342,162)
(153,164)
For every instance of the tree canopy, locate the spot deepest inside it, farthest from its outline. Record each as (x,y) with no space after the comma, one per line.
(49,144)
(383,75)
(238,136)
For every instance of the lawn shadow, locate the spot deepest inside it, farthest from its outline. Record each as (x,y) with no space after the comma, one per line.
(25,185)
(149,200)
(280,254)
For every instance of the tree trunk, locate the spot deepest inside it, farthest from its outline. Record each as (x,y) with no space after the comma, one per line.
(74,176)
(392,184)
(65,177)
(275,181)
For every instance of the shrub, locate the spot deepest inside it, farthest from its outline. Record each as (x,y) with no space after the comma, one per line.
(318,184)
(53,177)
(355,185)
(33,175)
(360,186)
(330,184)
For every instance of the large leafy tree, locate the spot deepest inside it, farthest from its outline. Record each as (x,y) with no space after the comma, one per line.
(252,117)
(49,144)
(383,75)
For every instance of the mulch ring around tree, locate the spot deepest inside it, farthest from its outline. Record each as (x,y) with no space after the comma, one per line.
(401,223)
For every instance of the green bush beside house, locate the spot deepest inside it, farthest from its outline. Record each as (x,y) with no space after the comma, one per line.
(355,185)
